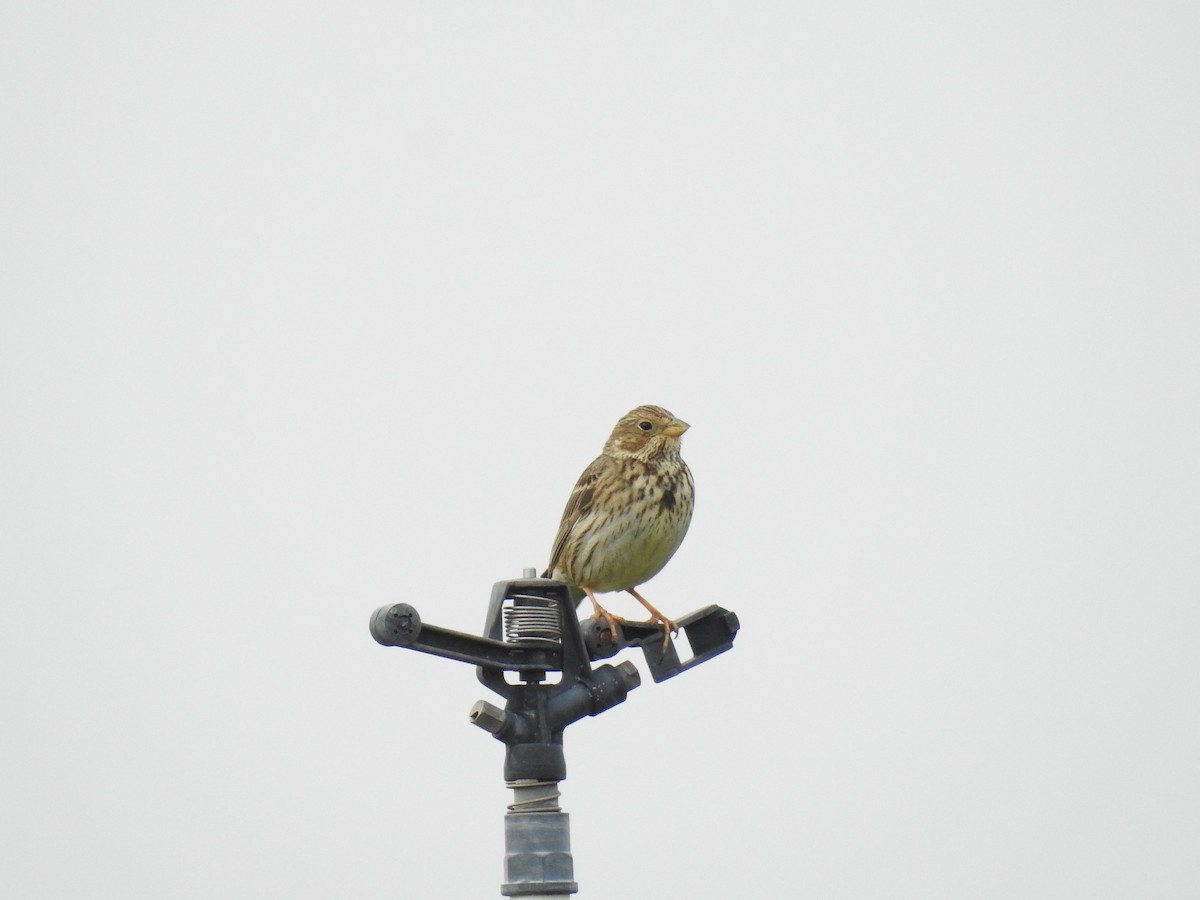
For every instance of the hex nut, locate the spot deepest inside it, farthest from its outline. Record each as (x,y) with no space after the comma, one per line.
(488,717)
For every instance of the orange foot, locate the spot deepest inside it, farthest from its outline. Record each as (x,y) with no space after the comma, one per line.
(669,628)
(657,618)
(601,612)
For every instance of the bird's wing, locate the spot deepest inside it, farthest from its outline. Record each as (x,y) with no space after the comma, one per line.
(578,506)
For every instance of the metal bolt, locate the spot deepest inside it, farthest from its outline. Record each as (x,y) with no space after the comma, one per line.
(630,676)
(490,718)
(402,622)
(731,623)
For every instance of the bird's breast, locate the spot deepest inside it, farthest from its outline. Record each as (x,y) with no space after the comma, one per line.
(627,540)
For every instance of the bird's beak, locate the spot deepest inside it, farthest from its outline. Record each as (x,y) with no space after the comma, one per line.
(676,428)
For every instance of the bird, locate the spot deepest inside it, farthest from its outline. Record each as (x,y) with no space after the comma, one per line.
(628,514)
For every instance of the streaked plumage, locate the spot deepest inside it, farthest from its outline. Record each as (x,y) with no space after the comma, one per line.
(628,513)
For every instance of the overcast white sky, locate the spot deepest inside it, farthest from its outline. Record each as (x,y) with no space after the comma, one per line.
(310,308)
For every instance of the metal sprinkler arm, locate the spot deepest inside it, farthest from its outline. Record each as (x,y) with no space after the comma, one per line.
(400,625)
(710,632)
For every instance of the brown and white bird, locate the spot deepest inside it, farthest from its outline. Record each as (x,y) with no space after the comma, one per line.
(627,514)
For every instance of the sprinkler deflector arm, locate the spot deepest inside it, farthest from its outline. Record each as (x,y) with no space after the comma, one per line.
(710,632)
(400,625)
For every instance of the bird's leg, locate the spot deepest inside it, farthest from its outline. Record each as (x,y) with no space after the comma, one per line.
(605,615)
(656,617)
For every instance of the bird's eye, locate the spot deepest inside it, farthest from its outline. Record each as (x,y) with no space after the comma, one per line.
(645,426)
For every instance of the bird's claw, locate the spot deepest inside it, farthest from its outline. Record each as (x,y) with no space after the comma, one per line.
(614,635)
(670,628)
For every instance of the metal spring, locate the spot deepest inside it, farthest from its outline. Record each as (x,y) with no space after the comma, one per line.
(531,796)
(531,619)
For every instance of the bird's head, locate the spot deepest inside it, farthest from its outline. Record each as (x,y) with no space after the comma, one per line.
(647,432)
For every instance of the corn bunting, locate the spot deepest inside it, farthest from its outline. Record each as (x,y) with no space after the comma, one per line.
(627,514)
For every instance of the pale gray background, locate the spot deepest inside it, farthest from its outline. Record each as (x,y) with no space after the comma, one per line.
(309,308)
